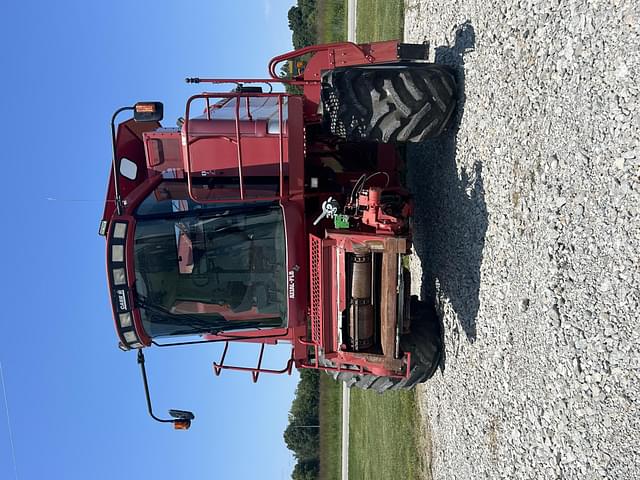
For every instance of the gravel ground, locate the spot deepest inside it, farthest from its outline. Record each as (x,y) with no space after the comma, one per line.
(528,237)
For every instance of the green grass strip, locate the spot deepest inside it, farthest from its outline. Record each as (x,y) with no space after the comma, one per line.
(330,413)
(332,21)
(380,20)
(383,436)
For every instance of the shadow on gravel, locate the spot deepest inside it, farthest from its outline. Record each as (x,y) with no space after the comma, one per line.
(450,212)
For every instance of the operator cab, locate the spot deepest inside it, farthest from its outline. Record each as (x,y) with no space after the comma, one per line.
(196,237)
(178,267)
(201,269)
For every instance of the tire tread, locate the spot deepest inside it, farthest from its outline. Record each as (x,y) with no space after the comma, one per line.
(404,104)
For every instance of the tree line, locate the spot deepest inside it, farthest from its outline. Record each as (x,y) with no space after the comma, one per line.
(304,32)
(302,23)
(302,435)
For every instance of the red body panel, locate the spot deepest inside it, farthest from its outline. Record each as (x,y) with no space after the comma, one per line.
(129,145)
(254,137)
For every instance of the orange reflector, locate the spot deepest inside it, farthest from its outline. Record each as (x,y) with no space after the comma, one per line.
(181,424)
(145,108)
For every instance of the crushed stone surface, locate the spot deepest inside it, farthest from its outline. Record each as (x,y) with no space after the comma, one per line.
(528,237)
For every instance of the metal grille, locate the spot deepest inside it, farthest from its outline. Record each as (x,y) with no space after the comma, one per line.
(316,289)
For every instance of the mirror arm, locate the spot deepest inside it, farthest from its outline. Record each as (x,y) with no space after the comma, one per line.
(146,388)
(181,418)
(116,188)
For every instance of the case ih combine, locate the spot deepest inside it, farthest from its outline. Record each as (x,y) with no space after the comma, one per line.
(274,217)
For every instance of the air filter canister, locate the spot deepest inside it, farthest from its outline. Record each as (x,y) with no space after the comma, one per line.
(361,314)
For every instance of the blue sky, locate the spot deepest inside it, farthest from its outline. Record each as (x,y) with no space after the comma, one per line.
(76,402)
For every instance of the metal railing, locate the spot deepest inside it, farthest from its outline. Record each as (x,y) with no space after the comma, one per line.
(329,48)
(255,371)
(189,139)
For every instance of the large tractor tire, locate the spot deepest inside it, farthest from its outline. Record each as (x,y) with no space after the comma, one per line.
(393,103)
(425,344)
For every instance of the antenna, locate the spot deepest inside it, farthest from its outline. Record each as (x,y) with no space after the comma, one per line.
(6,407)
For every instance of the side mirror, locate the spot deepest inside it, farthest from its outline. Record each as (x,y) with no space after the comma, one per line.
(148,111)
(182,414)
(182,419)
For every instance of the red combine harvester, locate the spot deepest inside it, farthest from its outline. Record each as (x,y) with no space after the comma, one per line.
(275,217)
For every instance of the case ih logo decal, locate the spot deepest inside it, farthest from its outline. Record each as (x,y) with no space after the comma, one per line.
(122,300)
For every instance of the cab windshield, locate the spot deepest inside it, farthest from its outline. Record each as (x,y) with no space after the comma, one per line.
(208,268)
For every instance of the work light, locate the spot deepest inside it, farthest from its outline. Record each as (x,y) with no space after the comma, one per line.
(130,337)
(119,277)
(125,320)
(117,253)
(119,230)
(148,111)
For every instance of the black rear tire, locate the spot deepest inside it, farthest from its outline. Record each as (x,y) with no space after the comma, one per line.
(393,103)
